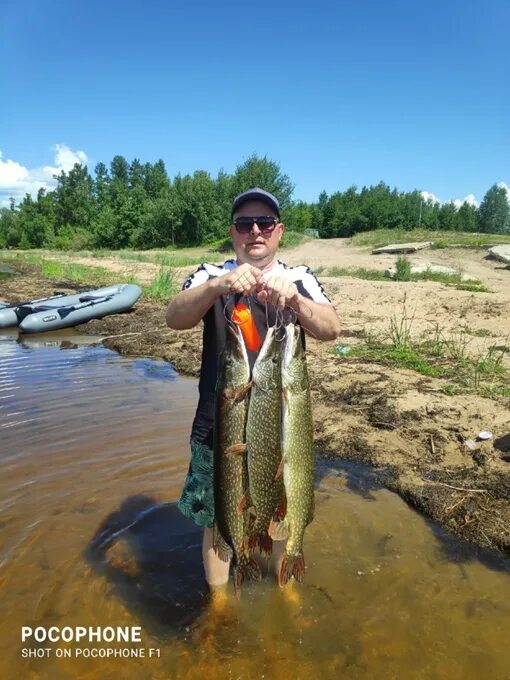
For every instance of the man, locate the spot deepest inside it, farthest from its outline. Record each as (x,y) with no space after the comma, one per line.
(209,295)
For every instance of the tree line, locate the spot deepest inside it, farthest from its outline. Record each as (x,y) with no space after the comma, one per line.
(137,205)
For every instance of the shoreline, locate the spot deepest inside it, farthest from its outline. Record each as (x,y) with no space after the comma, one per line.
(395,421)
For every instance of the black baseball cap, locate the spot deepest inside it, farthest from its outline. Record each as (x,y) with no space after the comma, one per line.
(256,194)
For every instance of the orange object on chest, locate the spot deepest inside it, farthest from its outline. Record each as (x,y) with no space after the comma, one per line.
(242,316)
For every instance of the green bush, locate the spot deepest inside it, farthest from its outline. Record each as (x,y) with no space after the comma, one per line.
(403,272)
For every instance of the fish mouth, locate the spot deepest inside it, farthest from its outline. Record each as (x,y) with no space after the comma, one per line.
(267,346)
(292,334)
(237,343)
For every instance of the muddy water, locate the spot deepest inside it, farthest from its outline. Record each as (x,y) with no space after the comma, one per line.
(93,452)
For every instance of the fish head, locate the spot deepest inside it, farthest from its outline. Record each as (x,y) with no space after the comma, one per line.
(267,369)
(294,370)
(235,369)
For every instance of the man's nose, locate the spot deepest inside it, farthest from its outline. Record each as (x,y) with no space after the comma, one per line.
(255,229)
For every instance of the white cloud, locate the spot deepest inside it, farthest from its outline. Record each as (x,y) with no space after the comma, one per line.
(429,196)
(470,199)
(16,180)
(505,186)
(65,157)
(457,202)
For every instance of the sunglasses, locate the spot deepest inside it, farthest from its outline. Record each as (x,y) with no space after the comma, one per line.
(265,223)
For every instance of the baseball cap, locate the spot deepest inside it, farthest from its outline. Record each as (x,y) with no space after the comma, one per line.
(256,194)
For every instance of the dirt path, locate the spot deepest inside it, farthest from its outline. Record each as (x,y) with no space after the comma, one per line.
(398,421)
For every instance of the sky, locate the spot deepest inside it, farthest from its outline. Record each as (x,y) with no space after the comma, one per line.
(339,93)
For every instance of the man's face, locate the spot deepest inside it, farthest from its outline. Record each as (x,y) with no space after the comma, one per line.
(255,247)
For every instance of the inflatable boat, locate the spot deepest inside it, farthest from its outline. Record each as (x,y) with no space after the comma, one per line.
(63,311)
(8,315)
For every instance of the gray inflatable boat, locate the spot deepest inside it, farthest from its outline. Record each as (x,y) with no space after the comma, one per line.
(63,311)
(9,317)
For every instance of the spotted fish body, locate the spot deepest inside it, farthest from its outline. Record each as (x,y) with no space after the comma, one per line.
(263,441)
(297,444)
(230,465)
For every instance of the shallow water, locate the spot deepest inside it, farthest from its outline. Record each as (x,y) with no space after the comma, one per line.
(93,452)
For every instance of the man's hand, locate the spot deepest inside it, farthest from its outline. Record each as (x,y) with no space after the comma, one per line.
(243,280)
(279,292)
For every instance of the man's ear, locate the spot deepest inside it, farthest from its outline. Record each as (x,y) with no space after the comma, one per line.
(282,229)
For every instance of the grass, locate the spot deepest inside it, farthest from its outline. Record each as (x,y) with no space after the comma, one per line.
(175,260)
(441,239)
(403,269)
(437,354)
(352,272)
(478,332)
(165,258)
(291,239)
(71,271)
(163,286)
(403,273)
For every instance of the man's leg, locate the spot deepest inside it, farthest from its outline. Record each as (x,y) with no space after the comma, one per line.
(216,570)
(277,556)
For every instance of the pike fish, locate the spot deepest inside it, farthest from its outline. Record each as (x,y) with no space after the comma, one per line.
(230,464)
(297,455)
(263,442)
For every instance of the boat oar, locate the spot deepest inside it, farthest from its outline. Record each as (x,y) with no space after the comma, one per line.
(64,311)
(57,294)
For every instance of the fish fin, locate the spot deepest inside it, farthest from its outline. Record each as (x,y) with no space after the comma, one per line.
(279,531)
(238,574)
(236,393)
(279,472)
(221,547)
(261,541)
(291,566)
(281,510)
(242,391)
(251,518)
(253,570)
(243,503)
(235,449)
(247,568)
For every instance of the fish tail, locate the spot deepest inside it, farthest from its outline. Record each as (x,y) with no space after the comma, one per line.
(220,546)
(291,566)
(253,570)
(245,569)
(238,579)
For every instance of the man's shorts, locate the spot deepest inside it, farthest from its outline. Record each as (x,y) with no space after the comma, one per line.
(197,499)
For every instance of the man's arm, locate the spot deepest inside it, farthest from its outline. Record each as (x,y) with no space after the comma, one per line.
(190,306)
(317,318)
